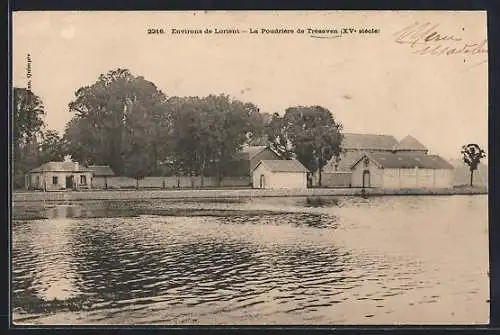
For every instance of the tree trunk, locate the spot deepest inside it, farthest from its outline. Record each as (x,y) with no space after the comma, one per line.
(319,177)
(202,173)
(155,160)
(471,177)
(136,183)
(218,174)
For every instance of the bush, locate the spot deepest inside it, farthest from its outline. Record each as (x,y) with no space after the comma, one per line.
(321,201)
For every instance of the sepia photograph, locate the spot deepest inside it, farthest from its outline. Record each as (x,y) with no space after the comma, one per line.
(249,168)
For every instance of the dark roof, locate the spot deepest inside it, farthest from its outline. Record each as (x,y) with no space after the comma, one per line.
(346,160)
(252,151)
(397,161)
(362,143)
(102,170)
(60,167)
(289,165)
(368,142)
(249,152)
(410,143)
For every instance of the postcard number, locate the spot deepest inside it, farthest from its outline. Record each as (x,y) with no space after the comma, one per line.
(156,31)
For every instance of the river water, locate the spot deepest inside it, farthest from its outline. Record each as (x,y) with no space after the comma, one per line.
(382,260)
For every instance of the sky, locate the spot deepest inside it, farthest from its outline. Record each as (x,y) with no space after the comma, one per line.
(370,82)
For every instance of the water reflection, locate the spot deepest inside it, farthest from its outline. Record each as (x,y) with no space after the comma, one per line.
(45,264)
(296,220)
(64,211)
(333,265)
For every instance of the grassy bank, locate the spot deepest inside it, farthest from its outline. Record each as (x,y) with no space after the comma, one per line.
(20,196)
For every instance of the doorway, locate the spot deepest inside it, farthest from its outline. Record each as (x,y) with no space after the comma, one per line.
(366,178)
(262,181)
(69,182)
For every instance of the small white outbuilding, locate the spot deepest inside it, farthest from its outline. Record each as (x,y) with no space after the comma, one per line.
(280,174)
(55,176)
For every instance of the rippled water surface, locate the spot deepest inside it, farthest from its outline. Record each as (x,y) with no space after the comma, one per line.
(262,261)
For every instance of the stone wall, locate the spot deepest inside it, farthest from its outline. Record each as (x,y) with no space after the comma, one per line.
(169,182)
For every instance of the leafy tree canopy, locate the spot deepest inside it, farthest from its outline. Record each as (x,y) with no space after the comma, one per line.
(472,155)
(114,118)
(27,126)
(311,134)
(209,131)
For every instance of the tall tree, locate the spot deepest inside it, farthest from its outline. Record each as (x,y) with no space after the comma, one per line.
(27,125)
(82,143)
(311,133)
(472,155)
(260,123)
(52,147)
(210,131)
(117,108)
(98,124)
(276,131)
(148,131)
(187,130)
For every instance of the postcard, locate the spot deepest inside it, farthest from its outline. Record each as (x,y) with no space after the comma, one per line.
(249,168)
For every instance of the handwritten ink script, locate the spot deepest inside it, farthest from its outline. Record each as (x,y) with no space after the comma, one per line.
(428,39)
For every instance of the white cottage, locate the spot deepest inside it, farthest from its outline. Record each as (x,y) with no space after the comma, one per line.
(398,170)
(54,176)
(280,174)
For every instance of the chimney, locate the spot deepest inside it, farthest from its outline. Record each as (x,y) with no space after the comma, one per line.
(77,166)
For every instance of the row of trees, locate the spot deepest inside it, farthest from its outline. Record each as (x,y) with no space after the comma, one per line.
(127,122)
(32,143)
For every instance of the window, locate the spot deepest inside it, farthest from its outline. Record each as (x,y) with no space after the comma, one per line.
(37,180)
(426,172)
(392,172)
(408,172)
(83,179)
(55,180)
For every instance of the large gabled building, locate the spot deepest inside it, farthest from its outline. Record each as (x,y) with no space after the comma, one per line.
(353,145)
(372,160)
(395,171)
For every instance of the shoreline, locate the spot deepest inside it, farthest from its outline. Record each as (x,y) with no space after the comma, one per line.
(142,194)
